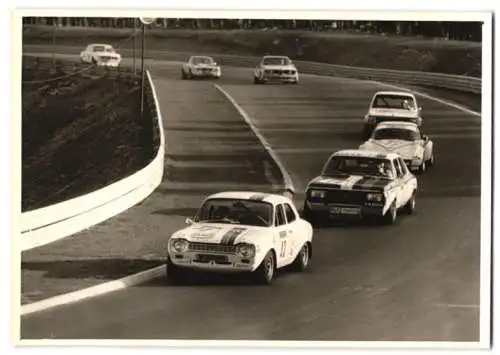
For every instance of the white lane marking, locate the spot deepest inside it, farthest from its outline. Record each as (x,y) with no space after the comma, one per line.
(286,176)
(433,98)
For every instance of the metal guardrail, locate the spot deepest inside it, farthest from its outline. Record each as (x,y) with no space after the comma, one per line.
(437,80)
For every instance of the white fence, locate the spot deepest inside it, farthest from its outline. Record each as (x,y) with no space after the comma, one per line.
(48,224)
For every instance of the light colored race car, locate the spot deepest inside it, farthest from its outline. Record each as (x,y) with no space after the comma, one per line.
(405,139)
(391,106)
(101,55)
(200,67)
(246,232)
(356,183)
(275,69)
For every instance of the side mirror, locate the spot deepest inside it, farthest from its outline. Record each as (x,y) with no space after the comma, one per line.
(188,221)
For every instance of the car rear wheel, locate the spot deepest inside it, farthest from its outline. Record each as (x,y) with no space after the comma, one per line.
(264,274)
(303,259)
(183,75)
(410,205)
(423,167)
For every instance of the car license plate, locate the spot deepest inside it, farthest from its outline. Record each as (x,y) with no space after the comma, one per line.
(344,210)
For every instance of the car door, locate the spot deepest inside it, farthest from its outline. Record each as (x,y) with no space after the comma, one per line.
(406,181)
(400,191)
(295,236)
(283,243)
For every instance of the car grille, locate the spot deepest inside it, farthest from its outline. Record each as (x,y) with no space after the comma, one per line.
(278,72)
(342,196)
(211,248)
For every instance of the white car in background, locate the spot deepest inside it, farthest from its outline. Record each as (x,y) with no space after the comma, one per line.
(391,106)
(245,232)
(274,68)
(200,67)
(101,55)
(405,139)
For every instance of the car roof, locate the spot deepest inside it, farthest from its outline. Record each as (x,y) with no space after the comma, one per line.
(251,196)
(398,93)
(100,44)
(398,124)
(364,153)
(275,56)
(201,56)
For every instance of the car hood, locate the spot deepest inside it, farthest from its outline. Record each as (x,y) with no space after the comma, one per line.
(221,233)
(279,67)
(350,182)
(392,112)
(406,149)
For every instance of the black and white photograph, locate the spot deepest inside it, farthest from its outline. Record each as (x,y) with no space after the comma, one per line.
(314,177)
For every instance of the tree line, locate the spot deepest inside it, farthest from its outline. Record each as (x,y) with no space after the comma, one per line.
(467,31)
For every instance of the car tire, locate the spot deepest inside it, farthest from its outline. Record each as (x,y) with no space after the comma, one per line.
(410,205)
(256,80)
(94,61)
(430,162)
(391,215)
(423,167)
(175,273)
(264,274)
(303,259)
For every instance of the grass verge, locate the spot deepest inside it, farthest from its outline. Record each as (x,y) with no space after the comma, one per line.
(81,130)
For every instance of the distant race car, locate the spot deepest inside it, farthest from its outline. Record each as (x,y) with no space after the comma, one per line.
(391,106)
(357,184)
(200,67)
(246,232)
(404,138)
(101,55)
(277,69)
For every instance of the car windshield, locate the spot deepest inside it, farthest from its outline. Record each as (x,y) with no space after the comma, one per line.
(366,166)
(201,60)
(396,133)
(103,49)
(236,211)
(276,61)
(394,101)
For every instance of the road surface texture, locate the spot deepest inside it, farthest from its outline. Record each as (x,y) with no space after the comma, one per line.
(417,280)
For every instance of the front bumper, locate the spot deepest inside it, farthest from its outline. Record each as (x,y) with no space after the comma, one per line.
(212,262)
(280,77)
(109,64)
(341,210)
(206,73)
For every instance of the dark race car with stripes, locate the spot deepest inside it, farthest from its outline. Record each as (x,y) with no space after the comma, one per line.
(361,183)
(246,232)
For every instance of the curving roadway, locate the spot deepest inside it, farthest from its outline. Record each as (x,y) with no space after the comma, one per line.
(417,280)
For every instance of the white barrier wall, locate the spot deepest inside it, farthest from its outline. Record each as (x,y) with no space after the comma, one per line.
(48,224)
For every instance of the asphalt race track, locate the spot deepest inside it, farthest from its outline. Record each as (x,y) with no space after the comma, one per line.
(417,280)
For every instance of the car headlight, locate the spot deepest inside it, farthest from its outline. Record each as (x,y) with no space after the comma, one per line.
(179,245)
(318,194)
(374,197)
(245,250)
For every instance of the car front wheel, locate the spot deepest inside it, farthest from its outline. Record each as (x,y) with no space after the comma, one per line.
(390,216)
(264,274)
(303,259)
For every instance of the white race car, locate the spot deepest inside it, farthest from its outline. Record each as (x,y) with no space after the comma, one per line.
(276,68)
(391,106)
(242,231)
(405,139)
(200,67)
(357,183)
(101,55)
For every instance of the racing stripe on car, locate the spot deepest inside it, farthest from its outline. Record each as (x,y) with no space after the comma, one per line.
(230,236)
(258,197)
(350,182)
(366,182)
